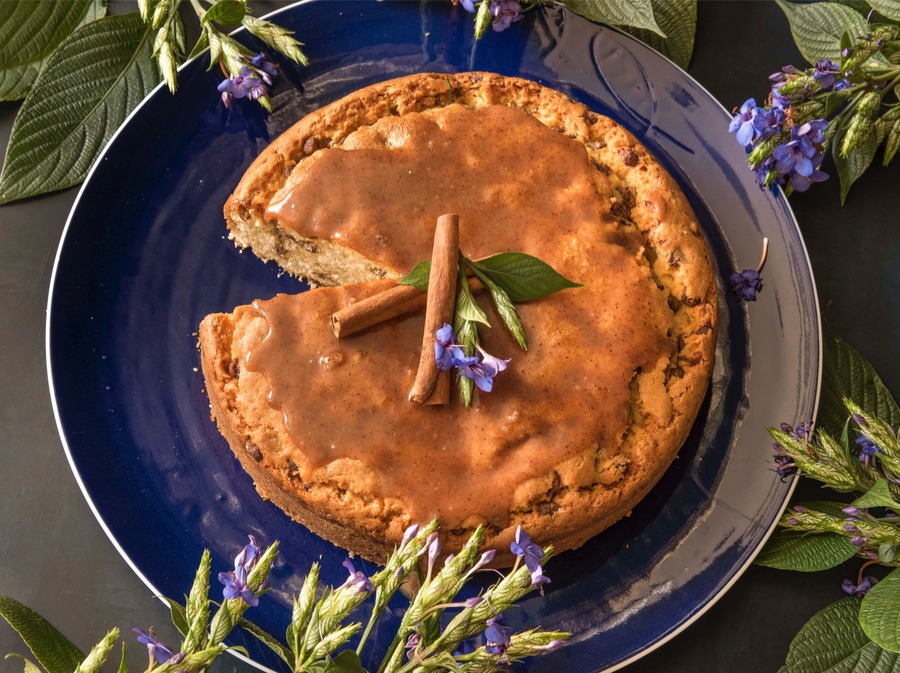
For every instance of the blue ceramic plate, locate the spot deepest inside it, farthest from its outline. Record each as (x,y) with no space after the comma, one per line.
(145,256)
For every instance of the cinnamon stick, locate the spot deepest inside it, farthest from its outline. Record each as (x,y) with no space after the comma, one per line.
(439,306)
(387,304)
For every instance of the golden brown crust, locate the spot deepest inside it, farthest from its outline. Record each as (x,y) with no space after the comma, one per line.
(582,496)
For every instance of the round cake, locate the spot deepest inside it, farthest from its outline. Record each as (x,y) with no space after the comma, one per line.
(578,428)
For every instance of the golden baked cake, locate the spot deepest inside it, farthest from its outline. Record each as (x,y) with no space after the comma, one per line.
(579,427)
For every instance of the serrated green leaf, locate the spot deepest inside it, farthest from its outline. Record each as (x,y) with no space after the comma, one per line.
(345,662)
(418,277)
(847,374)
(817,27)
(85,91)
(887,8)
(523,277)
(467,309)
(678,20)
(887,552)
(52,649)
(833,642)
(787,550)
(631,13)
(225,12)
(878,495)
(879,614)
(63,18)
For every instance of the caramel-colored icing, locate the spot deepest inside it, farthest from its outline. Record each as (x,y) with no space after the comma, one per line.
(517,185)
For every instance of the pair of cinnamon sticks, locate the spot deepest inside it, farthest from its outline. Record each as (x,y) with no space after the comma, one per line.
(431,386)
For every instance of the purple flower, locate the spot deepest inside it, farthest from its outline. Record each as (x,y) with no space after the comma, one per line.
(799,159)
(497,636)
(867,449)
(505,13)
(245,83)
(743,124)
(159,653)
(746,284)
(264,68)
(236,582)
(481,369)
(769,122)
(525,549)
(860,589)
(826,73)
(412,643)
(357,579)
(784,466)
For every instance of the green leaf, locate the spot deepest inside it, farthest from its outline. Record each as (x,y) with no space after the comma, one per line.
(892,144)
(225,12)
(817,27)
(56,20)
(418,277)
(887,8)
(53,650)
(522,276)
(179,620)
(467,309)
(678,20)
(880,612)
(123,667)
(87,88)
(631,13)
(345,662)
(847,374)
(267,639)
(30,666)
(786,550)
(878,495)
(833,642)
(505,308)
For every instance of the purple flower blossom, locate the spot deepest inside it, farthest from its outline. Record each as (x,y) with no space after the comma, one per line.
(236,582)
(860,589)
(850,511)
(481,369)
(743,123)
(245,83)
(408,535)
(799,159)
(526,550)
(264,68)
(746,284)
(412,643)
(867,449)
(505,12)
(769,122)
(497,636)
(357,579)
(784,466)
(159,653)
(826,73)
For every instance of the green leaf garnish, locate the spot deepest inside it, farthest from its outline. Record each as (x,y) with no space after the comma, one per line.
(466,306)
(678,20)
(818,27)
(418,277)
(505,308)
(634,13)
(523,277)
(225,12)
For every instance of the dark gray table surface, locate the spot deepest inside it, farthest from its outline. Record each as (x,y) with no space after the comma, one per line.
(55,557)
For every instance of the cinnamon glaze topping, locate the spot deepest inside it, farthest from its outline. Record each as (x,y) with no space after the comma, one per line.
(516,185)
